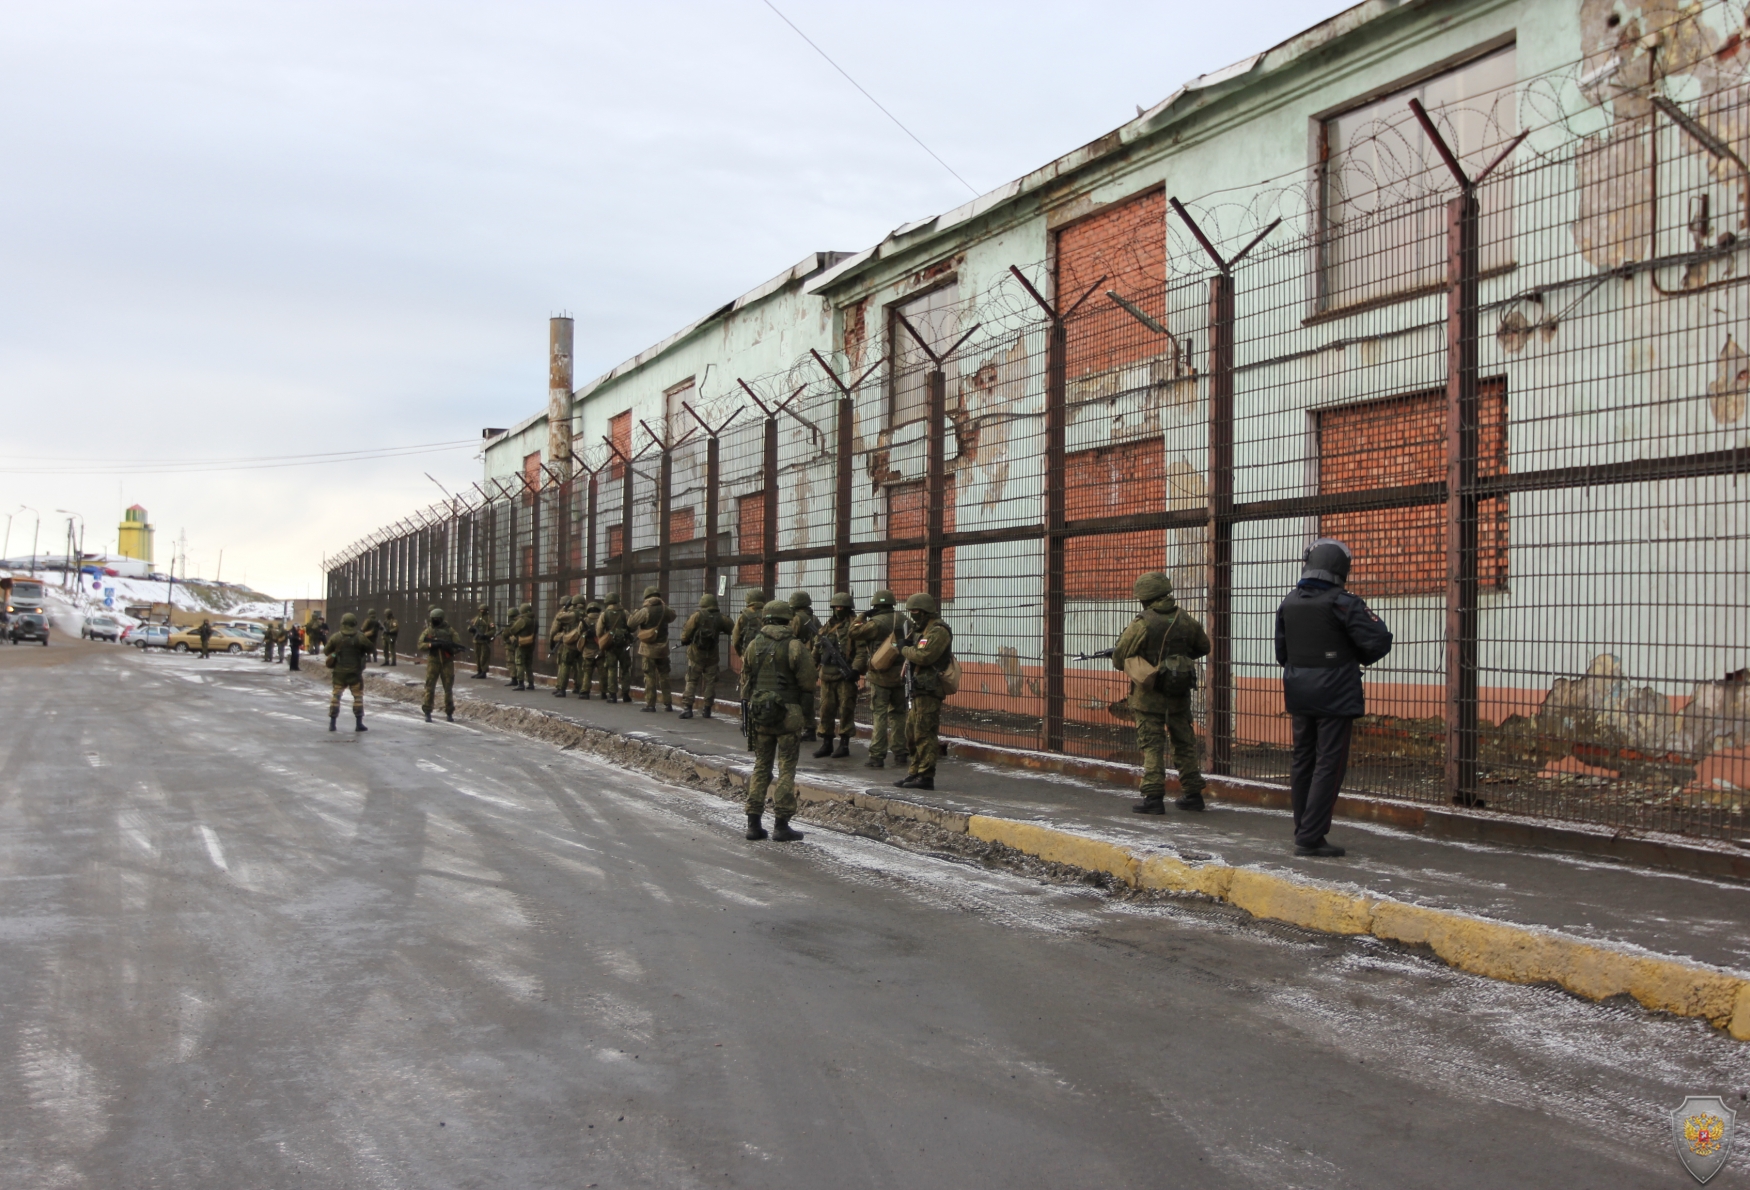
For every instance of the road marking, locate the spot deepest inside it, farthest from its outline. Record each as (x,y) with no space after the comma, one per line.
(214,851)
(95,761)
(487,797)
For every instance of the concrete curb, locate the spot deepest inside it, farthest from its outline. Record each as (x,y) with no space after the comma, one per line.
(1497,950)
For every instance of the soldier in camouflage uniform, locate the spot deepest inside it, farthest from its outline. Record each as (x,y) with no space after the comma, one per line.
(930,650)
(391,630)
(562,643)
(205,633)
(701,634)
(589,654)
(439,643)
(805,626)
(615,640)
(1167,638)
(312,632)
(775,669)
(371,630)
(520,656)
(886,686)
(747,626)
(347,650)
(482,629)
(651,623)
(838,689)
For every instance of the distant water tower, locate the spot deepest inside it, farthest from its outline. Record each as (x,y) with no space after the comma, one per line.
(134,535)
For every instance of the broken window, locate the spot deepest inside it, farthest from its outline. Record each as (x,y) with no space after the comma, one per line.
(1384,183)
(1400,442)
(750,531)
(935,316)
(531,476)
(1112,481)
(620,434)
(907,520)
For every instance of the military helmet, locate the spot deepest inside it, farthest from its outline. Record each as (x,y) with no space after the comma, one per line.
(594,605)
(349,621)
(708,602)
(650,592)
(485,608)
(1152,586)
(777,611)
(800,600)
(370,611)
(883,599)
(758,599)
(924,602)
(1327,559)
(613,598)
(841,599)
(527,609)
(437,615)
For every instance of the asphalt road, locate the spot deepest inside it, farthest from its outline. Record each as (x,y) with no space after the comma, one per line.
(242,952)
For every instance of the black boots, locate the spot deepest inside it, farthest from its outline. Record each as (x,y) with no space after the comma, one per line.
(649,708)
(916,781)
(1321,850)
(807,737)
(428,716)
(1191,801)
(705,714)
(1151,803)
(687,714)
(825,748)
(358,721)
(781,832)
(559,693)
(333,717)
(844,748)
(875,762)
(449,716)
(583,694)
(754,829)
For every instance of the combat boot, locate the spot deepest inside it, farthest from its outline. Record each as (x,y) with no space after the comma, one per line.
(754,829)
(333,718)
(923,781)
(705,714)
(687,714)
(449,716)
(648,708)
(906,782)
(807,737)
(1151,803)
(358,721)
(558,694)
(583,694)
(428,716)
(875,762)
(1190,801)
(825,748)
(781,832)
(844,748)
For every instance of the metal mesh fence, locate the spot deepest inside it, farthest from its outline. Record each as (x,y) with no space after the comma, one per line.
(1517,395)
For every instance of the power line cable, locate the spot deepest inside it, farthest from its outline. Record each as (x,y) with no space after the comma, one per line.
(872,99)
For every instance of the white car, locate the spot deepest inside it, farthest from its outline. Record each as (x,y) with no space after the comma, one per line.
(101,628)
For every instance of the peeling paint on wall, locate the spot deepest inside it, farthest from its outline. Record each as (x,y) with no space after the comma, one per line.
(1731,385)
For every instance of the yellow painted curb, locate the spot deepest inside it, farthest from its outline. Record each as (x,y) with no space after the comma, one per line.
(1497,950)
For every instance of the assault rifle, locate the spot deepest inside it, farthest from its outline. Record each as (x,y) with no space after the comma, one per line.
(1100,656)
(746,723)
(835,657)
(903,634)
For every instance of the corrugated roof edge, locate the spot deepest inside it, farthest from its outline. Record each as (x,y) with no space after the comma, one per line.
(807,267)
(1149,123)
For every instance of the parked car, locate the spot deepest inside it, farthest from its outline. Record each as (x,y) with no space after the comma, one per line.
(243,628)
(223,640)
(101,628)
(150,636)
(28,626)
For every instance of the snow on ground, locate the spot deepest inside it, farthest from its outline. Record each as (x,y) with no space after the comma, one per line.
(72,604)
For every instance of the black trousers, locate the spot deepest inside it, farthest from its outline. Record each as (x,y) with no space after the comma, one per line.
(1321,758)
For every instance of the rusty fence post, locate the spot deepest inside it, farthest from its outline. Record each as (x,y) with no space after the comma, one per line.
(627,499)
(1462,424)
(664,504)
(590,528)
(1221,499)
(712,465)
(843,478)
(769,530)
(935,476)
(1056,518)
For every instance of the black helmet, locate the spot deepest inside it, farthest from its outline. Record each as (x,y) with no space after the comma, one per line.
(1327,559)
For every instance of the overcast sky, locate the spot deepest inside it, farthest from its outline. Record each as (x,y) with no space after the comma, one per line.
(234,231)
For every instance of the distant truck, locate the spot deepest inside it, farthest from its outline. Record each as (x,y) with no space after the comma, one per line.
(25,595)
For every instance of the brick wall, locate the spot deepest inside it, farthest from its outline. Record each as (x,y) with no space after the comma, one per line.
(750,530)
(531,477)
(1397,442)
(1126,243)
(681,524)
(907,569)
(620,434)
(616,540)
(1113,481)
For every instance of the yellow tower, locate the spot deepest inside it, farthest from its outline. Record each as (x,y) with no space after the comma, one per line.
(134,535)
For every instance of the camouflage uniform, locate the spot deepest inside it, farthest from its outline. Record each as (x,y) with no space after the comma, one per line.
(654,617)
(838,694)
(616,651)
(747,626)
(805,627)
(701,635)
(589,653)
(347,650)
(926,657)
(886,686)
(562,641)
(482,629)
(312,631)
(439,644)
(205,632)
(1164,629)
(391,630)
(776,669)
(520,641)
(371,629)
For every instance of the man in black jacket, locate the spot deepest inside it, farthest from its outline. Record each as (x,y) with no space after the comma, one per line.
(1324,635)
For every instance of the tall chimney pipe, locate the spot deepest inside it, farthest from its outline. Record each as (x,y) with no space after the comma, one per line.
(559,394)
